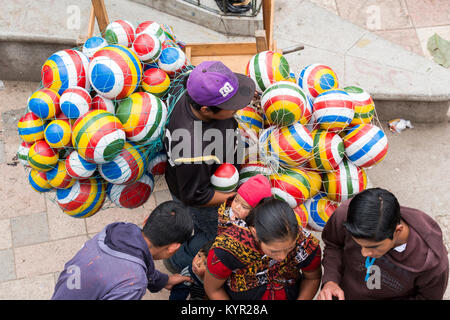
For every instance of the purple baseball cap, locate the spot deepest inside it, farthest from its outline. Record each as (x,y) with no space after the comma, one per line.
(212,83)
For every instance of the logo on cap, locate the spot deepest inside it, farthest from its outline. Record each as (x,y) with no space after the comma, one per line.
(226,89)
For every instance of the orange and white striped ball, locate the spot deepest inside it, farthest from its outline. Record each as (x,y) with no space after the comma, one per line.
(147,47)
(266,68)
(291,185)
(98,136)
(284,103)
(320,208)
(333,110)
(302,215)
(143,116)
(292,145)
(316,79)
(132,195)
(75,102)
(120,32)
(45,103)
(58,176)
(328,150)
(42,157)
(102,103)
(58,133)
(82,200)
(345,181)
(365,144)
(225,178)
(38,181)
(155,81)
(363,104)
(31,128)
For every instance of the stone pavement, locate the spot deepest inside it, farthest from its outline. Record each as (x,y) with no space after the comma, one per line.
(36,238)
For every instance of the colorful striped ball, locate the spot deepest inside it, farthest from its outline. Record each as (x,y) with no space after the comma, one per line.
(291,185)
(79,168)
(143,116)
(65,69)
(266,68)
(168,32)
(98,136)
(92,45)
(316,79)
(115,72)
(363,104)
(38,181)
(102,103)
(365,144)
(316,181)
(328,150)
(132,195)
(147,47)
(250,118)
(263,143)
(157,164)
(225,178)
(58,133)
(292,145)
(58,176)
(333,110)
(251,169)
(31,128)
(45,103)
(75,102)
(344,182)
(155,81)
(172,60)
(302,215)
(83,199)
(320,209)
(127,167)
(284,103)
(42,157)
(153,28)
(120,32)
(22,153)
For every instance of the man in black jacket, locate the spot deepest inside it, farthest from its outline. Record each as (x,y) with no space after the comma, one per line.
(201,135)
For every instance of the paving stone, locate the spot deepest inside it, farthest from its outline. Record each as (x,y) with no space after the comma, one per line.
(327,4)
(5,234)
(7,265)
(46,257)
(407,38)
(428,13)
(61,225)
(31,229)
(160,183)
(30,288)
(162,196)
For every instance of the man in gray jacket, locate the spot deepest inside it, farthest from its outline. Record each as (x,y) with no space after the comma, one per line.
(117,263)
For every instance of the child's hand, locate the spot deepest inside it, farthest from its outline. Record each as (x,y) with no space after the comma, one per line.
(175,279)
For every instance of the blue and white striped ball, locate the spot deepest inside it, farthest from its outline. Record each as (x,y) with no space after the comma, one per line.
(79,168)
(172,60)
(75,102)
(92,45)
(333,110)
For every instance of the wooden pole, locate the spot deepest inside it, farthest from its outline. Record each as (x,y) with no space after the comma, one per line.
(101,15)
(268,13)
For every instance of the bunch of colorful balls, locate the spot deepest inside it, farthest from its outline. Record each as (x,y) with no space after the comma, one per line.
(311,138)
(92,132)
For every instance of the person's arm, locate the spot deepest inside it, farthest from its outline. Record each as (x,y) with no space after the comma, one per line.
(175,279)
(310,284)
(214,287)
(219,198)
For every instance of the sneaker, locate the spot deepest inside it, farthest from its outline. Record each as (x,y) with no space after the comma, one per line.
(169,266)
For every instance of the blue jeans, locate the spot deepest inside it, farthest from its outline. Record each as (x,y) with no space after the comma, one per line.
(205,229)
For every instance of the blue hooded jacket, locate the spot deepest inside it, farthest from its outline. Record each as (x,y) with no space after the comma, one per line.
(115,264)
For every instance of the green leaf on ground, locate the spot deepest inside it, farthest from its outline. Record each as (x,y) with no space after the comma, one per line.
(440,50)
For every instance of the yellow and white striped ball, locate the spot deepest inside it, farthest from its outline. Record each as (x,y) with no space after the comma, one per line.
(344,182)
(291,185)
(320,209)
(284,103)
(38,181)
(83,199)
(42,157)
(31,127)
(58,133)
(98,136)
(363,104)
(328,150)
(250,118)
(292,145)
(58,176)
(143,116)
(155,81)
(316,181)
(44,103)
(266,68)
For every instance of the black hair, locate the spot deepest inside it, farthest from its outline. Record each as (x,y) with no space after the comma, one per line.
(194,104)
(170,222)
(273,219)
(207,246)
(373,214)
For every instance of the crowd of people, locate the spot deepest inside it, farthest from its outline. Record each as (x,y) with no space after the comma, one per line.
(248,245)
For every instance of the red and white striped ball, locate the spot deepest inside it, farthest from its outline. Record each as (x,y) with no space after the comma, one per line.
(120,32)
(153,28)
(75,102)
(132,195)
(147,47)
(102,103)
(302,215)
(79,168)
(328,150)
(155,81)
(225,178)
(365,144)
(333,110)
(157,164)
